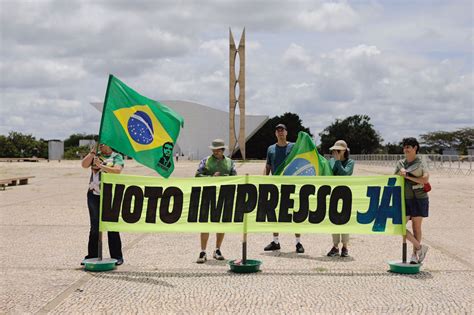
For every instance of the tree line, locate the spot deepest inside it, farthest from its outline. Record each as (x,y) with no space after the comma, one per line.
(16,144)
(359,133)
(356,130)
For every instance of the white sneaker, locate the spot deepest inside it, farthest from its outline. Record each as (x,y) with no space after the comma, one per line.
(413,259)
(422,253)
(202,258)
(218,255)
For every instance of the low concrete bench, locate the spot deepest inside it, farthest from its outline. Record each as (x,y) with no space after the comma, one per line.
(3,183)
(20,180)
(17,159)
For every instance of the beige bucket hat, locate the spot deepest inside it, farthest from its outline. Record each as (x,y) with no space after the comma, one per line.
(217,144)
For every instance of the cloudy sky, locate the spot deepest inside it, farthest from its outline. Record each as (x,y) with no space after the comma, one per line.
(407,64)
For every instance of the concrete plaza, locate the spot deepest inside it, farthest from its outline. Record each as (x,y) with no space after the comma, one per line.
(44,232)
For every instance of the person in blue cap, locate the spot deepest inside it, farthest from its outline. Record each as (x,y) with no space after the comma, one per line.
(276,154)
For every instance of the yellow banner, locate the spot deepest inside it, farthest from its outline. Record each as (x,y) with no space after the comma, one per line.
(292,204)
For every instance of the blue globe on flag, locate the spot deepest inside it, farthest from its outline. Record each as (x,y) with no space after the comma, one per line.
(140,128)
(300,167)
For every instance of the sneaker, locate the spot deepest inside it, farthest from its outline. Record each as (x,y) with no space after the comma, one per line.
(202,258)
(272,246)
(422,253)
(119,261)
(299,248)
(218,255)
(413,259)
(344,252)
(333,252)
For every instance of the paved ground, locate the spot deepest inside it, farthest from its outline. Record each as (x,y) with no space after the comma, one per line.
(43,235)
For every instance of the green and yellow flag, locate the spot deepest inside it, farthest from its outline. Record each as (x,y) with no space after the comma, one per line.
(304,159)
(139,127)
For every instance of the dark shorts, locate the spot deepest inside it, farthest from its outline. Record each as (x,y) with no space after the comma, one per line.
(417,207)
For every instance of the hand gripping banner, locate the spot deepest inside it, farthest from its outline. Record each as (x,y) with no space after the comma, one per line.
(292,204)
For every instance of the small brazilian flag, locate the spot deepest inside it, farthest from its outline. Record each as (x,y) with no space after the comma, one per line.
(139,127)
(304,159)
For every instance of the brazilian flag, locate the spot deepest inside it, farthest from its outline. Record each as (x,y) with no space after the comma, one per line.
(139,127)
(304,159)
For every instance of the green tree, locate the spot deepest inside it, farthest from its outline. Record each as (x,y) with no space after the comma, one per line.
(7,148)
(256,146)
(439,140)
(73,140)
(357,131)
(42,148)
(393,148)
(76,153)
(17,144)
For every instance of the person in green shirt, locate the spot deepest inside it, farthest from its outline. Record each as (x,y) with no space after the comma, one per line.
(416,199)
(216,164)
(341,165)
(105,161)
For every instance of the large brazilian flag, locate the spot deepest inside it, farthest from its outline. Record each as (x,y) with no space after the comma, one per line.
(304,159)
(139,127)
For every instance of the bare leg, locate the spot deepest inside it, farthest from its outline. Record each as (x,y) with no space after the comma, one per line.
(413,240)
(219,239)
(204,239)
(416,224)
(345,240)
(336,238)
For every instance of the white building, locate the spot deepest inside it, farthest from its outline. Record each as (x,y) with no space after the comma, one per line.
(202,124)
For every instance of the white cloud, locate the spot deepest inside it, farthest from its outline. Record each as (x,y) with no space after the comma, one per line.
(34,73)
(406,65)
(331,16)
(218,48)
(296,55)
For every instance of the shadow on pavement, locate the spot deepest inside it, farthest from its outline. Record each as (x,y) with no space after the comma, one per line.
(293,255)
(150,277)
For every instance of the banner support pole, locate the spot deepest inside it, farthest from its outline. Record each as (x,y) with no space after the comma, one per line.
(244,236)
(99,246)
(404,249)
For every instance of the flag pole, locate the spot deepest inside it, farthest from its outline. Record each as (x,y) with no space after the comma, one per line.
(244,236)
(99,264)
(105,104)
(99,245)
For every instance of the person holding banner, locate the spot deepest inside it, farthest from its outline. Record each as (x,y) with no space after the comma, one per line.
(216,164)
(109,162)
(276,154)
(416,199)
(341,165)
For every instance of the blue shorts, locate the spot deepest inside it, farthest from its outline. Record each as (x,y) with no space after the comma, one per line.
(417,207)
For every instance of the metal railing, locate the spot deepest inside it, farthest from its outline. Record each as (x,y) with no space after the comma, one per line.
(450,164)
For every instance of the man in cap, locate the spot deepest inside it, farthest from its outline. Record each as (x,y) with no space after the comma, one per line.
(276,154)
(216,164)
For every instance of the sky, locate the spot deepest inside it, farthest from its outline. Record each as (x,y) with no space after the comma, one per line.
(406,64)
